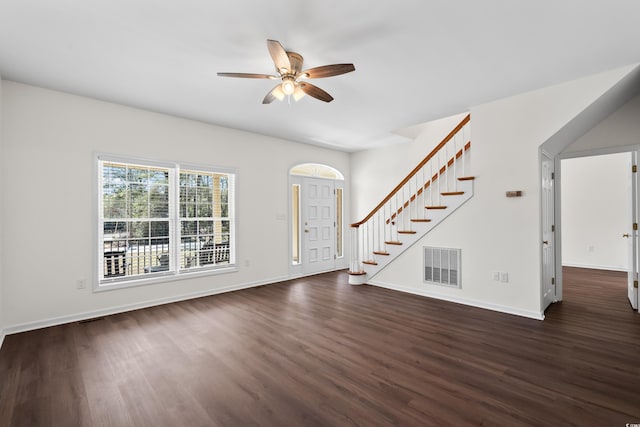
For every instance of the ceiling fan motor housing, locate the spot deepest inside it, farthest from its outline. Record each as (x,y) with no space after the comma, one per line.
(296,61)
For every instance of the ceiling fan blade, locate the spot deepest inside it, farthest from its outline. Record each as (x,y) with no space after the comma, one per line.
(279,56)
(275,93)
(328,70)
(316,92)
(248,75)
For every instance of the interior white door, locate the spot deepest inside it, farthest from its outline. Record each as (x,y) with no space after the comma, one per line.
(548,226)
(318,225)
(632,276)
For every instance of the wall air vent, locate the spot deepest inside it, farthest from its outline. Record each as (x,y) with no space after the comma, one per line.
(442,266)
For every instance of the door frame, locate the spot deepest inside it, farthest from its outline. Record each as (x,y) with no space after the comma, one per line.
(297,270)
(555,236)
(558,199)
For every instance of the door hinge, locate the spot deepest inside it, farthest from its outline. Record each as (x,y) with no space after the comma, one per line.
(553,228)
(635,284)
(553,280)
(553,175)
(635,226)
(634,168)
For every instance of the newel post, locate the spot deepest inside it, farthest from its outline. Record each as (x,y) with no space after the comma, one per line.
(357,274)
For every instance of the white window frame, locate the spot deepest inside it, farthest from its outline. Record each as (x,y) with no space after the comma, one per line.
(174,271)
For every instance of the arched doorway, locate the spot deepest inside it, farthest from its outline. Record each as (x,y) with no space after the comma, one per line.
(316,218)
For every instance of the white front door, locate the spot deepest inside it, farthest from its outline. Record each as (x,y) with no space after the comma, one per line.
(318,225)
(632,234)
(548,228)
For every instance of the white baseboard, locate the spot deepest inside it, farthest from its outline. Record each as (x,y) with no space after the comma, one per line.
(29,326)
(2,335)
(592,266)
(480,304)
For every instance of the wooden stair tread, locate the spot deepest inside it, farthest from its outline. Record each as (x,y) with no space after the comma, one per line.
(436,207)
(406,232)
(381,253)
(370,262)
(420,220)
(357,273)
(393,243)
(452,193)
(466,178)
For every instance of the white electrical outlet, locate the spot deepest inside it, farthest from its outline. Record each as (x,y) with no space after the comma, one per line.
(496,276)
(81,284)
(504,277)
(247,263)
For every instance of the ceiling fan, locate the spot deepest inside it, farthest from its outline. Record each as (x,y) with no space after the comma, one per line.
(289,69)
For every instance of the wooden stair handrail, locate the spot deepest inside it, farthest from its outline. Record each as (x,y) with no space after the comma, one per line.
(415,170)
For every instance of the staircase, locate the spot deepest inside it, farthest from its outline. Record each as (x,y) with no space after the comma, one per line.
(427,196)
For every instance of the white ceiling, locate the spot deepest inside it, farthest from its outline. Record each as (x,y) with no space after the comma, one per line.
(416,60)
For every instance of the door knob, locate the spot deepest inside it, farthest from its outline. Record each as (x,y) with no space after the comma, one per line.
(306,231)
(546,242)
(625,235)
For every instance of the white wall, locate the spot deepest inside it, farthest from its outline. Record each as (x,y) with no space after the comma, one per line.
(1,226)
(620,129)
(497,233)
(596,193)
(50,142)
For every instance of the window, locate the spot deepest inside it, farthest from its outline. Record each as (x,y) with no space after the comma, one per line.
(160,219)
(295,224)
(339,215)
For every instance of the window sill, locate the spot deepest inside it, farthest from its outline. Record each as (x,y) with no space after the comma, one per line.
(171,277)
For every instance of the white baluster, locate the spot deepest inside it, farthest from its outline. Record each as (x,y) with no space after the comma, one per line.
(431,181)
(455,162)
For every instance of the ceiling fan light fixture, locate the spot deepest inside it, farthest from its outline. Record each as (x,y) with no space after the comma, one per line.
(288,85)
(278,93)
(298,94)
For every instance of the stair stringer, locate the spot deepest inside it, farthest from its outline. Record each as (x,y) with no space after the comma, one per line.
(421,228)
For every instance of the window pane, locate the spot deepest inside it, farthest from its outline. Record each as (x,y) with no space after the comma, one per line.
(159,229)
(204,181)
(188,228)
(190,210)
(159,176)
(295,224)
(136,174)
(205,227)
(138,201)
(159,201)
(138,229)
(205,210)
(114,176)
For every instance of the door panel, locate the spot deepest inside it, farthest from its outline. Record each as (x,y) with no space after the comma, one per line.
(632,275)
(318,223)
(548,253)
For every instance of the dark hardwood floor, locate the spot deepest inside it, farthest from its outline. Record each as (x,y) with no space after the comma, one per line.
(319,352)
